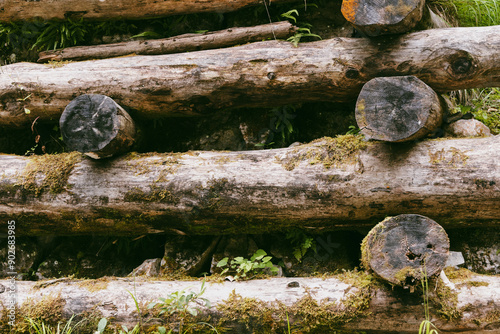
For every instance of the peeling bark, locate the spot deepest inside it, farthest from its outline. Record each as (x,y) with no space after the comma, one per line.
(327,184)
(17,10)
(254,75)
(177,44)
(477,296)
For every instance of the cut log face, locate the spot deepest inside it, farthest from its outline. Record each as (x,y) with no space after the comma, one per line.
(397,109)
(374,18)
(97,126)
(402,249)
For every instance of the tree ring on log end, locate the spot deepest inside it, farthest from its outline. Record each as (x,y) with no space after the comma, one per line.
(397,109)
(374,18)
(97,126)
(398,248)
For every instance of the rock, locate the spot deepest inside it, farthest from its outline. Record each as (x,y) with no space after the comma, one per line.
(455,259)
(149,268)
(188,254)
(468,128)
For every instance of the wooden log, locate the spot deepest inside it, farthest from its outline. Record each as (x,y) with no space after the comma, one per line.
(327,184)
(260,74)
(402,250)
(97,126)
(177,44)
(305,299)
(398,109)
(375,18)
(18,10)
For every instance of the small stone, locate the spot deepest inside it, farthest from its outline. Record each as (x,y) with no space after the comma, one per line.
(293,284)
(455,259)
(468,128)
(149,268)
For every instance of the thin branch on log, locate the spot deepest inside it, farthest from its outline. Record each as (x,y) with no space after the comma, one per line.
(17,10)
(177,44)
(478,297)
(254,75)
(327,184)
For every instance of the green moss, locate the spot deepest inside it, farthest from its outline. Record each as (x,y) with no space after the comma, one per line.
(48,173)
(446,303)
(330,152)
(452,156)
(156,194)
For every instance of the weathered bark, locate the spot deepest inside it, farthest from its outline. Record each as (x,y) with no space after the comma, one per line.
(327,184)
(97,126)
(177,44)
(477,296)
(404,249)
(16,10)
(253,75)
(375,18)
(398,109)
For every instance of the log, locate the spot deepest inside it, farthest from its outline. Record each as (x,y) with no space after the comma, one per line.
(97,126)
(19,10)
(377,309)
(260,74)
(375,18)
(177,44)
(404,249)
(398,109)
(324,185)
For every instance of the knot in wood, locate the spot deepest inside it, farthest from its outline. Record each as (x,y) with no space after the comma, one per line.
(461,65)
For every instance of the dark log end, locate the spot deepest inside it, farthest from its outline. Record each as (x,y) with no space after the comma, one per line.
(397,109)
(404,249)
(96,125)
(374,18)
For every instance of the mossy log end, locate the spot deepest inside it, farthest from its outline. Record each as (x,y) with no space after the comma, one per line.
(177,44)
(398,109)
(375,18)
(405,249)
(327,184)
(18,10)
(96,125)
(260,74)
(312,304)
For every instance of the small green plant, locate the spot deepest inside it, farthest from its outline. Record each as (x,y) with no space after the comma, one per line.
(300,34)
(426,326)
(301,243)
(183,304)
(101,326)
(353,130)
(61,34)
(472,13)
(281,130)
(39,327)
(258,263)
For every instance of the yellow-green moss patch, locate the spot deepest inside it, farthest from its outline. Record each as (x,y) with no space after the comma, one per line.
(48,172)
(331,152)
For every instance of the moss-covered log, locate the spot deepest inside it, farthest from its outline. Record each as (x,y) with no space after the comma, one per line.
(177,44)
(312,305)
(326,184)
(17,10)
(260,74)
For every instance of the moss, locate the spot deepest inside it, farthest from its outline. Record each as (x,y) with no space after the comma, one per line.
(48,172)
(156,194)
(446,303)
(94,285)
(457,274)
(330,152)
(213,199)
(471,284)
(452,156)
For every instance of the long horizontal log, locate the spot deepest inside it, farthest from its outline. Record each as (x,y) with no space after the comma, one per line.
(377,309)
(17,10)
(177,44)
(326,184)
(255,75)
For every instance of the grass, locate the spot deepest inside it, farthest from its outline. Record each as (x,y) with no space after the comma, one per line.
(483,103)
(472,13)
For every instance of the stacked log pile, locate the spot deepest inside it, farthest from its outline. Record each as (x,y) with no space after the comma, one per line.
(331,183)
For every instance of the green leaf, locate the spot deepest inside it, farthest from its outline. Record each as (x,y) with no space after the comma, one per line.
(102,325)
(259,254)
(222,262)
